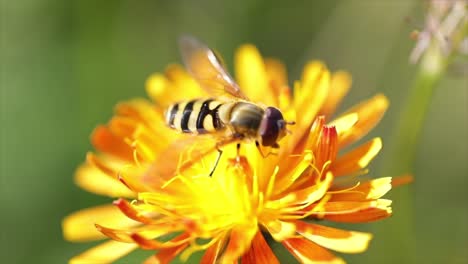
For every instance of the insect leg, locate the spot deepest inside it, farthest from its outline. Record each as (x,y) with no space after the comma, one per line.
(269,151)
(238,152)
(259,149)
(220,152)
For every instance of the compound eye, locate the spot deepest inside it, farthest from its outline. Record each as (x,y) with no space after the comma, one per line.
(271,126)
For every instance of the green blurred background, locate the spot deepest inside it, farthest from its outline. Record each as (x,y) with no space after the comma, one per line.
(65,64)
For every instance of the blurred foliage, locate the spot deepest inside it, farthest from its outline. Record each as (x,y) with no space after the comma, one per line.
(64,65)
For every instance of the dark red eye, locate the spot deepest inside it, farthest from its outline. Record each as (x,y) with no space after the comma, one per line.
(271,125)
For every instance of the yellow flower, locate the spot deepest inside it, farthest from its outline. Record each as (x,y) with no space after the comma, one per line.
(175,208)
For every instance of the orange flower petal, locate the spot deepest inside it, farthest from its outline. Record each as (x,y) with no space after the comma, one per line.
(159,88)
(165,256)
(107,252)
(185,86)
(142,138)
(344,123)
(240,240)
(104,163)
(278,82)
(252,76)
(280,230)
(357,212)
(308,195)
(335,239)
(92,179)
(176,86)
(105,141)
(356,159)
(402,180)
(363,216)
(151,260)
(306,251)
(315,132)
(128,209)
(145,243)
(327,146)
(276,72)
(212,253)
(147,115)
(259,252)
(79,226)
(339,87)
(369,114)
(310,95)
(370,190)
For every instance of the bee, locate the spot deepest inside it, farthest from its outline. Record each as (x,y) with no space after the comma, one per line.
(229,115)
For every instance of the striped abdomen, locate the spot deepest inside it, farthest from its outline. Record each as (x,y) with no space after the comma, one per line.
(198,116)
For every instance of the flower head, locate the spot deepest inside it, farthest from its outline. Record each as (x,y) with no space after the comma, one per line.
(445,34)
(175,208)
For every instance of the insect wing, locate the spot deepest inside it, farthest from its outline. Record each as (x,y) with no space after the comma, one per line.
(187,151)
(207,68)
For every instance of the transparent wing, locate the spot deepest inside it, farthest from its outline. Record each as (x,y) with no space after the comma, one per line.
(187,151)
(207,68)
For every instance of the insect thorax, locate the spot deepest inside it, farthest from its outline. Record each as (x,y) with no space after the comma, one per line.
(245,119)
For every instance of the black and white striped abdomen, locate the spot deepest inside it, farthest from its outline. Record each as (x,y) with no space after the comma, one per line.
(199,116)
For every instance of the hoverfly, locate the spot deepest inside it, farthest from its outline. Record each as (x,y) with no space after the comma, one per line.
(229,115)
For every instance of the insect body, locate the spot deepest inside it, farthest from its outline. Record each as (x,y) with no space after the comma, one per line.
(200,116)
(233,117)
(232,120)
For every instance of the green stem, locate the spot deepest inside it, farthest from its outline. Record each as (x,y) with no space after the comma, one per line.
(412,117)
(397,236)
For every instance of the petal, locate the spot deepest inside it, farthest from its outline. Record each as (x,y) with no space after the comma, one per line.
(344,123)
(80,226)
(370,190)
(312,193)
(356,212)
(278,82)
(106,141)
(185,86)
(146,243)
(356,159)
(240,240)
(176,86)
(212,253)
(166,255)
(335,239)
(259,252)
(369,114)
(143,232)
(310,95)
(107,252)
(276,72)
(402,180)
(315,132)
(129,210)
(252,76)
(327,146)
(145,141)
(94,180)
(362,216)
(128,174)
(151,260)
(306,251)
(280,230)
(105,163)
(339,87)
(146,114)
